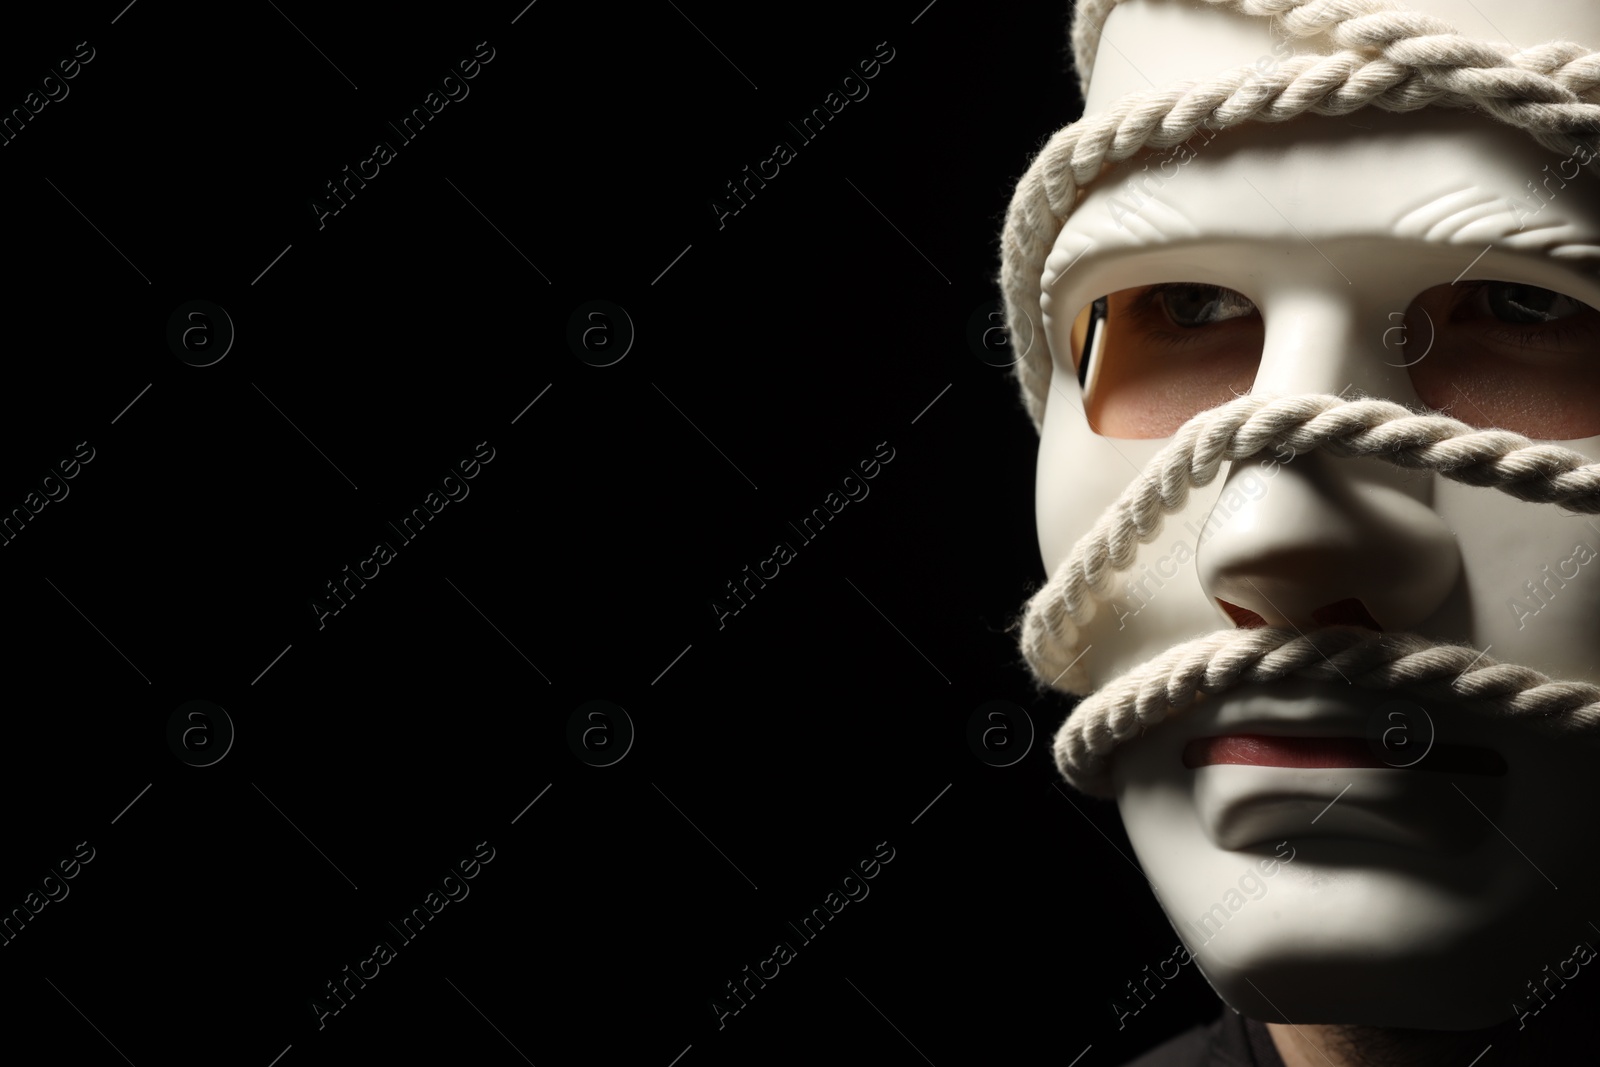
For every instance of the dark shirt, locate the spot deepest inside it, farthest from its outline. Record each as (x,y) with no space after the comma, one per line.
(1231,1041)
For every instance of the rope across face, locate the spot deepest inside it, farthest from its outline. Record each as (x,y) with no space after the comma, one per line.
(1053,622)
(1393,59)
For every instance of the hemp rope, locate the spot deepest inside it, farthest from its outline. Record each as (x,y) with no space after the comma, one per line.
(1405,663)
(1394,59)
(1053,620)
(1391,58)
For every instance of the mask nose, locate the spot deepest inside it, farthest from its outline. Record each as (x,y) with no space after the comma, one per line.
(1319,540)
(1324,542)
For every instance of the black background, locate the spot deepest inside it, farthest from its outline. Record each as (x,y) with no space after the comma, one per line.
(770,355)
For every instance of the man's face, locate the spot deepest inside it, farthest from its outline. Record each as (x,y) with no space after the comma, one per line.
(1440,261)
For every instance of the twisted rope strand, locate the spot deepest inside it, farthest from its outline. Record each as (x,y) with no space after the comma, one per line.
(1395,59)
(1054,618)
(1405,663)
(1391,58)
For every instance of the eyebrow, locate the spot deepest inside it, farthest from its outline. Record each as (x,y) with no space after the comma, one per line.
(1444,222)
(1503,222)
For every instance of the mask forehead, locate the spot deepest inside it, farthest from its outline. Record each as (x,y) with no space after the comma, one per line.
(1440,187)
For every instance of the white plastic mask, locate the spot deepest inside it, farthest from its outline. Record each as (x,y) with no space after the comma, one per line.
(1407,257)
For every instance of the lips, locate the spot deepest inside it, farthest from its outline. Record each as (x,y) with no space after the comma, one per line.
(1262,750)
(1251,787)
(1302,759)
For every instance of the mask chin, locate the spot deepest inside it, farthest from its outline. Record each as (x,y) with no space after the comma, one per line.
(1336,922)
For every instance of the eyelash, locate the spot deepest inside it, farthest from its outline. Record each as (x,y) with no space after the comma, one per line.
(1524,337)
(1148,302)
(1521,335)
(1147,306)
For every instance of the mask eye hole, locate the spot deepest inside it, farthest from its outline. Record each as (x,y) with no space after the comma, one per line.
(1507,355)
(1150,358)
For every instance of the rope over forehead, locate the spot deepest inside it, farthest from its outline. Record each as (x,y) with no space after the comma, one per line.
(1387,57)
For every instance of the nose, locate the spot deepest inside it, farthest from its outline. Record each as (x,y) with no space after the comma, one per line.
(1318,540)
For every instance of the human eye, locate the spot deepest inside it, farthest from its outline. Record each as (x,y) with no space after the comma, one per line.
(1153,356)
(1527,316)
(1509,355)
(1189,305)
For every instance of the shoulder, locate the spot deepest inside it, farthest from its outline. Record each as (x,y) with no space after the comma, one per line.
(1227,1042)
(1188,1049)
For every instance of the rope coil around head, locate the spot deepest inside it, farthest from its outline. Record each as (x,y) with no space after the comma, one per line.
(1054,617)
(1391,58)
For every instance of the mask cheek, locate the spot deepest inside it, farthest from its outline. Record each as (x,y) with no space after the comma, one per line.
(1530,579)
(1066,501)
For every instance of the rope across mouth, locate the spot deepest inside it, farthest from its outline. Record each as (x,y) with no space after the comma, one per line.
(1406,664)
